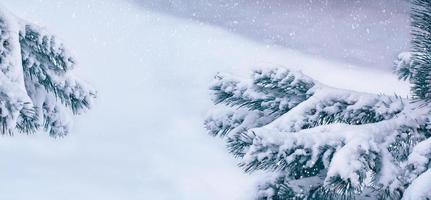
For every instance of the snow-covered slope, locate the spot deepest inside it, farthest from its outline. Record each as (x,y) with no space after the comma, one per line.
(145,139)
(366,32)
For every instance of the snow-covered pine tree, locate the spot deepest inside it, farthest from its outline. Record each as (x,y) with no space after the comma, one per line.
(421,47)
(318,142)
(37,85)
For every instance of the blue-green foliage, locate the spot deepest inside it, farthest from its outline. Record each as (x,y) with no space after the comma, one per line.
(38,88)
(421,48)
(325,143)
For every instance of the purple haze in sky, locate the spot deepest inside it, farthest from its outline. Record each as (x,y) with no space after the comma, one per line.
(361,32)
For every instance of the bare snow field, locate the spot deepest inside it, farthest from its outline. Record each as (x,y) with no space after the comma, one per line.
(145,138)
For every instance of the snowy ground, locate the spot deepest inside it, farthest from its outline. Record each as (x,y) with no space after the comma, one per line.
(145,139)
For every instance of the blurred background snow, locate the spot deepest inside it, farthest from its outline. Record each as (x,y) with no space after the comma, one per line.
(364,32)
(152,63)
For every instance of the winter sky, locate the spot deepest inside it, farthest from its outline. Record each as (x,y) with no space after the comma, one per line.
(152,62)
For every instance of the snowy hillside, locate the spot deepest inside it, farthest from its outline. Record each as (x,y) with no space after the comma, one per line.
(365,32)
(145,139)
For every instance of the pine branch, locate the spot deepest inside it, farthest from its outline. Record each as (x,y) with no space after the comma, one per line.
(47,63)
(36,82)
(421,47)
(229,121)
(338,138)
(275,90)
(276,188)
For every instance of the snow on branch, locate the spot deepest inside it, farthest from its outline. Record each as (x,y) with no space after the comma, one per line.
(319,141)
(38,84)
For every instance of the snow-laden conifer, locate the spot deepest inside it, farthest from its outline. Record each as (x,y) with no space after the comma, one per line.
(320,142)
(38,88)
(421,48)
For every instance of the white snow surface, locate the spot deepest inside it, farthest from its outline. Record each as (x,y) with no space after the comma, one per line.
(145,137)
(420,188)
